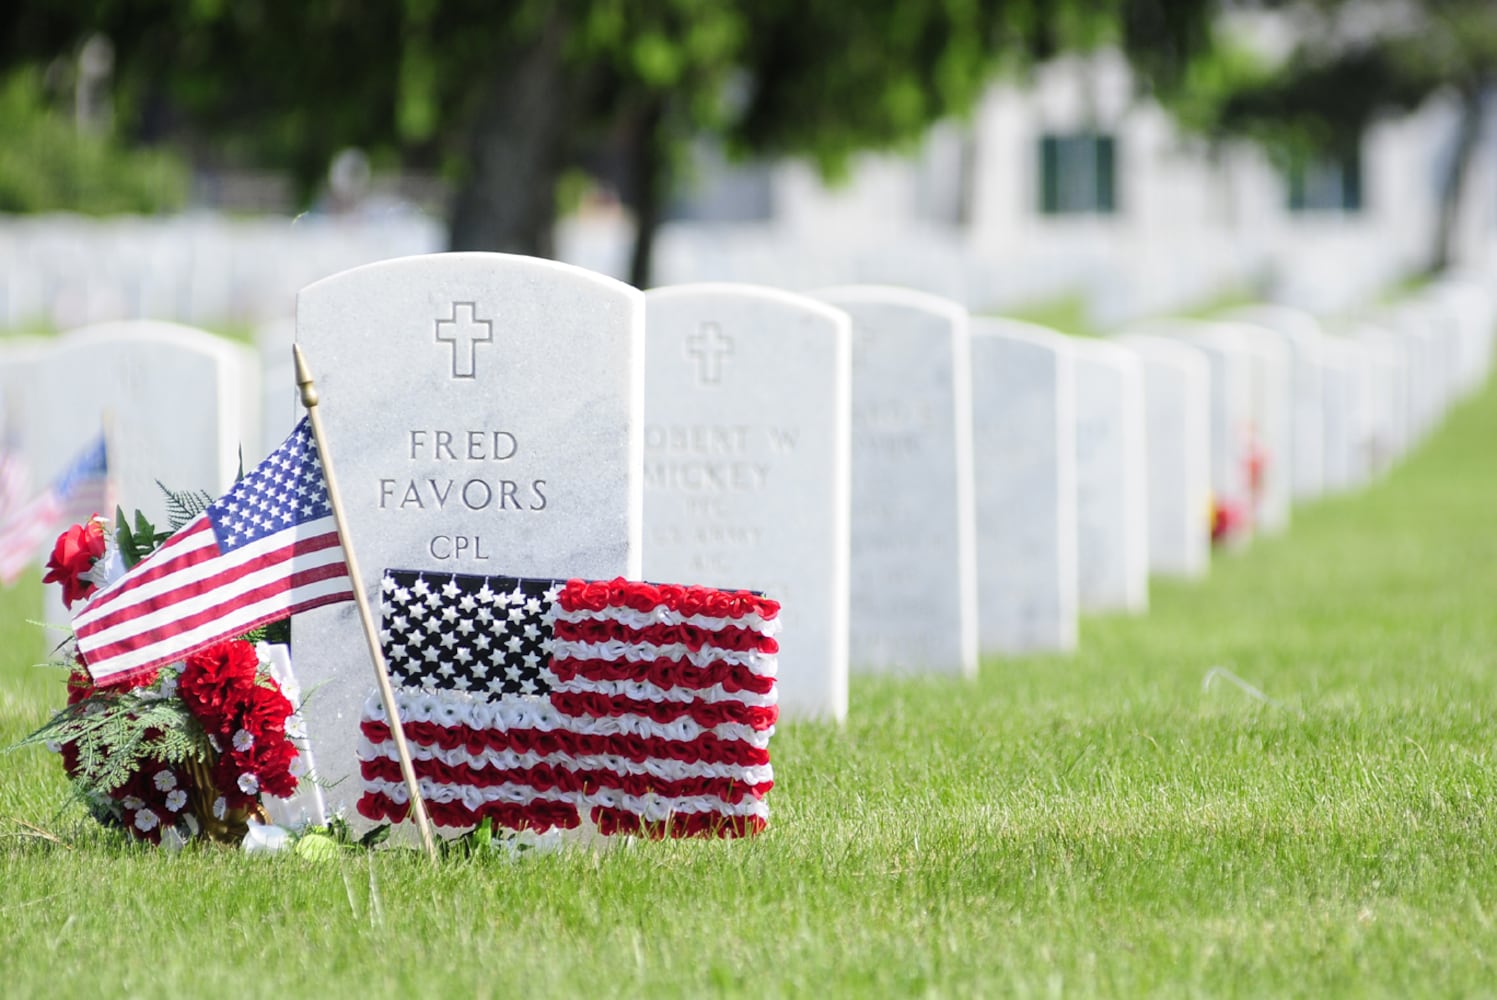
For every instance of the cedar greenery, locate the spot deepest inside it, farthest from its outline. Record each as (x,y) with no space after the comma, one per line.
(116,731)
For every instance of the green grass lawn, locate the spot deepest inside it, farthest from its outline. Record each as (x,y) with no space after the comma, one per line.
(1104,824)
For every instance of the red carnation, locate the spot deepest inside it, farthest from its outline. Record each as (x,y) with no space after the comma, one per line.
(215,679)
(75,553)
(262,713)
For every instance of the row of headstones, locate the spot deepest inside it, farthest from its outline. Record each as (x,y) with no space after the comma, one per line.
(916,485)
(65,271)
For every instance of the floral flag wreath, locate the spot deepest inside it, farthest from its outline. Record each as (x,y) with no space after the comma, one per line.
(534,703)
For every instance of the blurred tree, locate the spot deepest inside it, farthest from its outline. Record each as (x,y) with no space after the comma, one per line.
(505,97)
(1356,61)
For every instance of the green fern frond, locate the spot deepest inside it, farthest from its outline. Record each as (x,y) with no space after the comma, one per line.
(183,506)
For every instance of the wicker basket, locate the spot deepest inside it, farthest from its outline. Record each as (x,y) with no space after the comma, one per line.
(235,822)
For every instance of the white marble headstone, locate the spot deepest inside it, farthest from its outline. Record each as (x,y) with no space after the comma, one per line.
(747,410)
(1273,419)
(1348,415)
(913,563)
(1177,407)
(1391,432)
(1233,431)
(178,402)
(280,405)
(1112,516)
(483,415)
(1301,336)
(1024,460)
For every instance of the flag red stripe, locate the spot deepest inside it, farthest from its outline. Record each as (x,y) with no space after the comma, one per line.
(708,714)
(707,748)
(539,816)
(596,595)
(693,637)
(665,673)
(614,821)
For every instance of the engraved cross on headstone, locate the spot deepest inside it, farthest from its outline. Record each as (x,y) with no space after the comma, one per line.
(464,331)
(709,346)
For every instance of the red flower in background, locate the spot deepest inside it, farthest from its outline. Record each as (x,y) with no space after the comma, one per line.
(1227,519)
(74,554)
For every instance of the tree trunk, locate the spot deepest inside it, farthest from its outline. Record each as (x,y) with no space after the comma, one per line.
(650,167)
(506,200)
(1447,231)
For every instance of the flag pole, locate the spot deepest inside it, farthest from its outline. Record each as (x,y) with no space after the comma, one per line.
(371,634)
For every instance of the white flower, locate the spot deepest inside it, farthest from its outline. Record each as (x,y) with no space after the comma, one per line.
(146,820)
(213,742)
(265,838)
(165,781)
(193,826)
(248,783)
(54,746)
(176,799)
(298,766)
(243,740)
(110,566)
(220,807)
(131,802)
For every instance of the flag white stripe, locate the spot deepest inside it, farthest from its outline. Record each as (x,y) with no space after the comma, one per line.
(645,691)
(512,760)
(763,664)
(663,616)
(448,708)
(654,808)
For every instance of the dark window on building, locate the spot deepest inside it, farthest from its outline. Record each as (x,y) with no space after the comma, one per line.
(1078,174)
(1325,183)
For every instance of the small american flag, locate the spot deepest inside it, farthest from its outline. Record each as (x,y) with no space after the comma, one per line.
(535,703)
(79,493)
(265,550)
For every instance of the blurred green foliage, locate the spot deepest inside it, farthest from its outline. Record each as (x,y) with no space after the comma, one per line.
(48,165)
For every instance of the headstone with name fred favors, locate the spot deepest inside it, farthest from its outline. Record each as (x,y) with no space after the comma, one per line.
(913,562)
(482,414)
(747,410)
(1177,407)
(1024,461)
(1112,517)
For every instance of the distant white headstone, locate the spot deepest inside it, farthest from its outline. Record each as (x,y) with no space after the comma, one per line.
(913,561)
(483,415)
(1024,448)
(1302,338)
(1348,415)
(747,410)
(1112,499)
(280,403)
(1391,432)
(1177,405)
(178,403)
